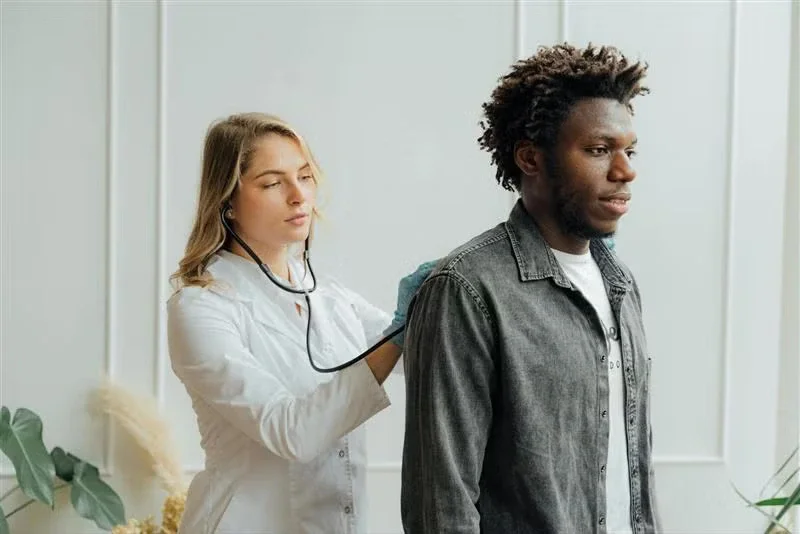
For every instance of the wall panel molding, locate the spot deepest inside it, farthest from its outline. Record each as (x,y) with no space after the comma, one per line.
(112,226)
(727,315)
(162,285)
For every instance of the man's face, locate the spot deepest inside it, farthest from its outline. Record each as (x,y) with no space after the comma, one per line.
(589,168)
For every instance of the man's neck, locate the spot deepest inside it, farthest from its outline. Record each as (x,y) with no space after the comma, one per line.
(553,234)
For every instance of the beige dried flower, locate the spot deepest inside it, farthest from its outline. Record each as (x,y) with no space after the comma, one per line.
(135,526)
(171,513)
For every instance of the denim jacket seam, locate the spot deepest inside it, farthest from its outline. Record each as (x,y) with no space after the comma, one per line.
(459,279)
(490,240)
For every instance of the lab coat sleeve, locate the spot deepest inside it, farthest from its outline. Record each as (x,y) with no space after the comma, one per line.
(373,319)
(375,322)
(209,356)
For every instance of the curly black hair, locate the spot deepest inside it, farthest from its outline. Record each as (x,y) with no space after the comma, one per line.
(533,100)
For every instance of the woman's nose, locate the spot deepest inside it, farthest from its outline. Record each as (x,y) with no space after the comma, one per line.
(296,193)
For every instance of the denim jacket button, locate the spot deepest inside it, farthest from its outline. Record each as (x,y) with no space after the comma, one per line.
(604,414)
(602,520)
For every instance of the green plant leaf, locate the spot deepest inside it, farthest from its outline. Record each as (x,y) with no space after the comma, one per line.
(788,480)
(3,523)
(793,499)
(64,463)
(21,441)
(94,499)
(780,470)
(772,521)
(777,501)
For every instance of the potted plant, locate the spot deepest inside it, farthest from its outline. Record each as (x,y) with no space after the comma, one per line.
(41,474)
(777,508)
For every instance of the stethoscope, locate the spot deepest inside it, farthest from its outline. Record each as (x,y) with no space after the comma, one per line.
(305,292)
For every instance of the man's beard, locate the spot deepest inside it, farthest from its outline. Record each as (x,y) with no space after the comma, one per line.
(567,206)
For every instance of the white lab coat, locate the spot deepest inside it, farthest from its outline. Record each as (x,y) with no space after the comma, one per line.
(284,445)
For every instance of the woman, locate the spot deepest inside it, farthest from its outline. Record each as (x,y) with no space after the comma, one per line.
(284,445)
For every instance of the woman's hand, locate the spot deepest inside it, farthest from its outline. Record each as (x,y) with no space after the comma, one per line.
(406,290)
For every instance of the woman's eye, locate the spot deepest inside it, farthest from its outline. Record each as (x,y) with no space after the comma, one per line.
(271,185)
(307,177)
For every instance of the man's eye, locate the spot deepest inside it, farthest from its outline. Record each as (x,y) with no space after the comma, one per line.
(597,150)
(631,153)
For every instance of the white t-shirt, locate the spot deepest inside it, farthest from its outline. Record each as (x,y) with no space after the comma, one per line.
(585,275)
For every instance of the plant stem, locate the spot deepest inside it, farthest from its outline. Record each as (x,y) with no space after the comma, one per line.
(9,492)
(31,501)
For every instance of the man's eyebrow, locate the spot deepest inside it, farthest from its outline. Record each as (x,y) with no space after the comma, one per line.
(610,139)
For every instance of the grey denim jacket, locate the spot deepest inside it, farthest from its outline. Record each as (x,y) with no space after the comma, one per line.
(507,393)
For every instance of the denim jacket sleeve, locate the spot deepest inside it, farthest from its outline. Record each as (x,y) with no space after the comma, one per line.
(450,376)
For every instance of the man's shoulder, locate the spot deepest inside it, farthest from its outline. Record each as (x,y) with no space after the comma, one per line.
(479,264)
(477,254)
(468,272)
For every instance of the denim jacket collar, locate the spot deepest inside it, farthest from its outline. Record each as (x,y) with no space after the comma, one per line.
(536,261)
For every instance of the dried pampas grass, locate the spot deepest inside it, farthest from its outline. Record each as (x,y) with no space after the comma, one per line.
(141,419)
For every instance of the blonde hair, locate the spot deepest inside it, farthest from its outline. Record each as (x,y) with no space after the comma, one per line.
(229,145)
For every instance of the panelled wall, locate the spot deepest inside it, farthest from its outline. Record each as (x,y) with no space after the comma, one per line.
(104,108)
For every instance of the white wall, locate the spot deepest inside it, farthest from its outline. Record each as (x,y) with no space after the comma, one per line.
(791,314)
(104,106)
(789,392)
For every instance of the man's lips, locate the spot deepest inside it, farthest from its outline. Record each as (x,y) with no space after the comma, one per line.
(616,204)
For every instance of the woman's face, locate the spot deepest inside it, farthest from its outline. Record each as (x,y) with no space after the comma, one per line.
(272,207)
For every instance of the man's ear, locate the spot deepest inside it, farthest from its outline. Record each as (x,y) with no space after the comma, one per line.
(529,159)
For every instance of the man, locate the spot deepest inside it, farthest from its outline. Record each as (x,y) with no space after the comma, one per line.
(526,365)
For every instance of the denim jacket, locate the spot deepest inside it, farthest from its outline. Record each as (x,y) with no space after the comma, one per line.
(507,393)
